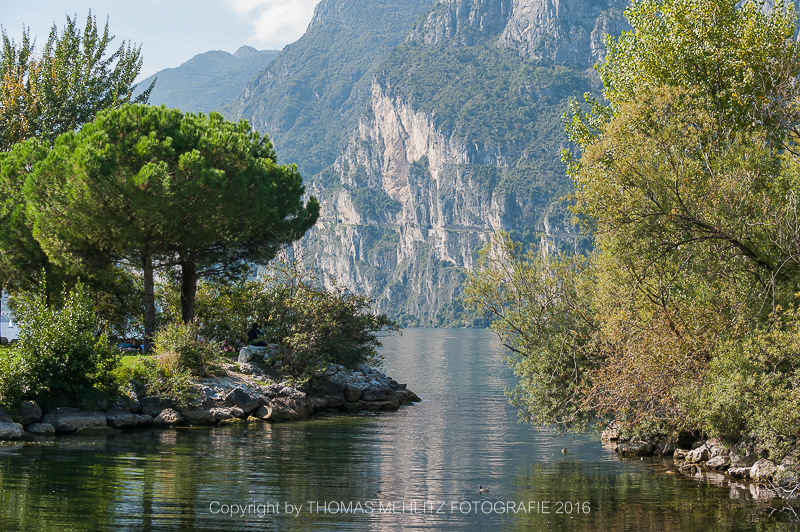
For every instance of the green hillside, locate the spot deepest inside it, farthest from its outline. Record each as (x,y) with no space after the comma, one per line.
(209,80)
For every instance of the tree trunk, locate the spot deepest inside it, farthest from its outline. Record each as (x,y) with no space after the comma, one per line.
(188,288)
(149,300)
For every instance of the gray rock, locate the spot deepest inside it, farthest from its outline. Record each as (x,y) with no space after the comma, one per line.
(388,406)
(146,420)
(261,412)
(739,472)
(29,413)
(238,413)
(720,462)
(119,418)
(198,416)
(407,397)
(610,434)
(635,448)
(221,413)
(152,406)
(66,419)
(353,407)
(251,352)
(167,418)
(5,417)
(763,470)
(11,431)
(240,398)
(351,395)
(41,428)
(680,454)
(701,454)
(287,409)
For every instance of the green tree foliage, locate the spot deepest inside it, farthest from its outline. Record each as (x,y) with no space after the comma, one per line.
(688,182)
(61,355)
(42,96)
(74,78)
(157,187)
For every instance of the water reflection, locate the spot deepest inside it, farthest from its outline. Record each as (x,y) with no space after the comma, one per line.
(417,468)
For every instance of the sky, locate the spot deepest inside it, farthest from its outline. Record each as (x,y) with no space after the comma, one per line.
(170,32)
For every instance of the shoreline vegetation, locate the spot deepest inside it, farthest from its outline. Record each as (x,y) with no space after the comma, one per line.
(680,327)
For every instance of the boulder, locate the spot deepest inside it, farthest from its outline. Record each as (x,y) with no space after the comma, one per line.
(66,419)
(5,417)
(152,406)
(221,414)
(318,403)
(167,418)
(351,395)
(11,431)
(119,418)
(610,434)
(353,407)
(252,352)
(680,454)
(407,397)
(763,469)
(261,412)
(376,395)
(388,406)
(739,472)
(41,428)
(29,413)
(287,409)
(198,416)
(240,398)
(720,462)
(635,448)
(701,454)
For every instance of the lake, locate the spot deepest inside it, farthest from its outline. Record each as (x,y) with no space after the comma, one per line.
(418,468)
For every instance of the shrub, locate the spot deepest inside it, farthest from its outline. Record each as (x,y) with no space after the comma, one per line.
(61,354)
(159,378)
(179,346)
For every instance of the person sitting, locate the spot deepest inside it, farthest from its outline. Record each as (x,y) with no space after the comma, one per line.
(253,336)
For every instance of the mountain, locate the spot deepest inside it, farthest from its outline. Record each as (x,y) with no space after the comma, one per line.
(309,98)
(461,137)
(207,81)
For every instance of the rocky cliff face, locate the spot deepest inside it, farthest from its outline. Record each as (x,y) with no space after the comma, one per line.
(565,31)
(416,191)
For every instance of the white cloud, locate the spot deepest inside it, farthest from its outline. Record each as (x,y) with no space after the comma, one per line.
(276,23)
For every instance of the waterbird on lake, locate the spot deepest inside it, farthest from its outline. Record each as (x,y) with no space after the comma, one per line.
(564,450)
(481,489)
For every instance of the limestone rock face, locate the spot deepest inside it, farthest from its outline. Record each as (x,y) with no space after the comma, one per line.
(11,431)
(564,31)
(66,419)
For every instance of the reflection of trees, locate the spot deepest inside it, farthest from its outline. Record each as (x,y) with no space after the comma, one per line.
(635,498)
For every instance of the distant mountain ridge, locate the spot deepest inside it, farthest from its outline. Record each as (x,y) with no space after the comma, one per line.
(209,80)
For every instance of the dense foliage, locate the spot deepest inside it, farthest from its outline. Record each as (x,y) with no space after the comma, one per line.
(42,96)
(156,187)
(683,318)
(45,95)
(61,355)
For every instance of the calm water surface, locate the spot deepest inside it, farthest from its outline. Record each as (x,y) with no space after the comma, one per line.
(418,468)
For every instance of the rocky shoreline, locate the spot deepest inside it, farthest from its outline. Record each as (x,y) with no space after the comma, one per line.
(248,392)
(741,463)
